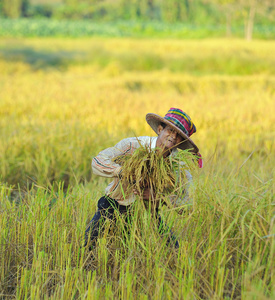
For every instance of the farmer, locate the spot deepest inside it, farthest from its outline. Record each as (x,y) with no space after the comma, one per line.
(173,131)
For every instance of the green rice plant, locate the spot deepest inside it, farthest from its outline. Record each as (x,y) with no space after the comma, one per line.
(226,247)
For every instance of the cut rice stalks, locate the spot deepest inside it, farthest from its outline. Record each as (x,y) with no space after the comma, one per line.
(146,168)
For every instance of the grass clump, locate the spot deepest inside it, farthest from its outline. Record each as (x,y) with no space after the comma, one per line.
(147,168)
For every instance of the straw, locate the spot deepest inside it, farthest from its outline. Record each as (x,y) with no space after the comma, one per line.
(147,168)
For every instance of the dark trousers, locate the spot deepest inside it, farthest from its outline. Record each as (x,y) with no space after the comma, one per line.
(106,208)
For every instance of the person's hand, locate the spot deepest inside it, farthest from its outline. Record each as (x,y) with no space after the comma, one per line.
(146,194)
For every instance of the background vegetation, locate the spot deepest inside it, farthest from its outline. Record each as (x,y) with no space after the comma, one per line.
(227,17)
(63,100)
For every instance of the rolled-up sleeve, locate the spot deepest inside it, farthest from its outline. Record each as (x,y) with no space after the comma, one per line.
(104,165)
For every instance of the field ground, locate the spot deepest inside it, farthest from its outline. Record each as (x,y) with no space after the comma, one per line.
(63,100)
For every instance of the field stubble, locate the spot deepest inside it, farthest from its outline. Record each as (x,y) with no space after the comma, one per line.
(57,111)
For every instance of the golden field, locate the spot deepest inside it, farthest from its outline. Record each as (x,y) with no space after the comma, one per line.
(64,100)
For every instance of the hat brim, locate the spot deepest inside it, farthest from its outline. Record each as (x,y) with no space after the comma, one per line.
(155,120)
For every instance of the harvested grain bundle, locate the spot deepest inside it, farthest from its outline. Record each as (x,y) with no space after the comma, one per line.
(147,168)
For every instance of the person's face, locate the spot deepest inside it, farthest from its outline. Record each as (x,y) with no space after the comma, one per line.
(167,139)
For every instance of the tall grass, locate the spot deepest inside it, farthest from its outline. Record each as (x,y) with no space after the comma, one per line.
(53,120)
(226,245)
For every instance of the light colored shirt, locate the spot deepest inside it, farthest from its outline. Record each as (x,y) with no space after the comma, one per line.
(103,165)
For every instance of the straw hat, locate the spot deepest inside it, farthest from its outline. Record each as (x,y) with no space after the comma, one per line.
(179,121)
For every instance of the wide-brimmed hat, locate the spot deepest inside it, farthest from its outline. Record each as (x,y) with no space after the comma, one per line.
(179,121)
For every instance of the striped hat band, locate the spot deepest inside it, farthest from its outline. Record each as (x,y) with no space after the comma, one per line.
(181,120)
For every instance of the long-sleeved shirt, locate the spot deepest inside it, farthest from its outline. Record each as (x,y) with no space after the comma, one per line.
(103,165)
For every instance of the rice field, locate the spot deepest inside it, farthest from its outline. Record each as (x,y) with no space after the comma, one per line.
(64,100)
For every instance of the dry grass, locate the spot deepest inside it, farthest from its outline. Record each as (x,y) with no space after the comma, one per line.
(146,168)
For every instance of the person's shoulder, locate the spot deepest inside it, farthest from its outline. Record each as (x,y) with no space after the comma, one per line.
(147,140)
(142,139)
(138,141)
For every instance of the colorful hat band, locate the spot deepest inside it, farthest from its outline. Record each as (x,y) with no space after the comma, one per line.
(177,123)
(181,120)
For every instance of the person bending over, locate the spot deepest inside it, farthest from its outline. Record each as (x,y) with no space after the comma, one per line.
(173,131)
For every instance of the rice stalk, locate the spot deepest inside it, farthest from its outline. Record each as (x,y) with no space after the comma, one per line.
(147,168)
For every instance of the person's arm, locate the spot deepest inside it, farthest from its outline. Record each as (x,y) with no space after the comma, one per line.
(104,165)
(147,194)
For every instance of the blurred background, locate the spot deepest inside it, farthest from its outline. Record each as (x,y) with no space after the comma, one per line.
(78,76)
(181,18)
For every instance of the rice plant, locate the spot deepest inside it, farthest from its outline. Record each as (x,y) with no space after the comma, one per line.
(54,120)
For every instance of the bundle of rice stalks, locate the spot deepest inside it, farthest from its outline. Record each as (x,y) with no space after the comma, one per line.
(147,168)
